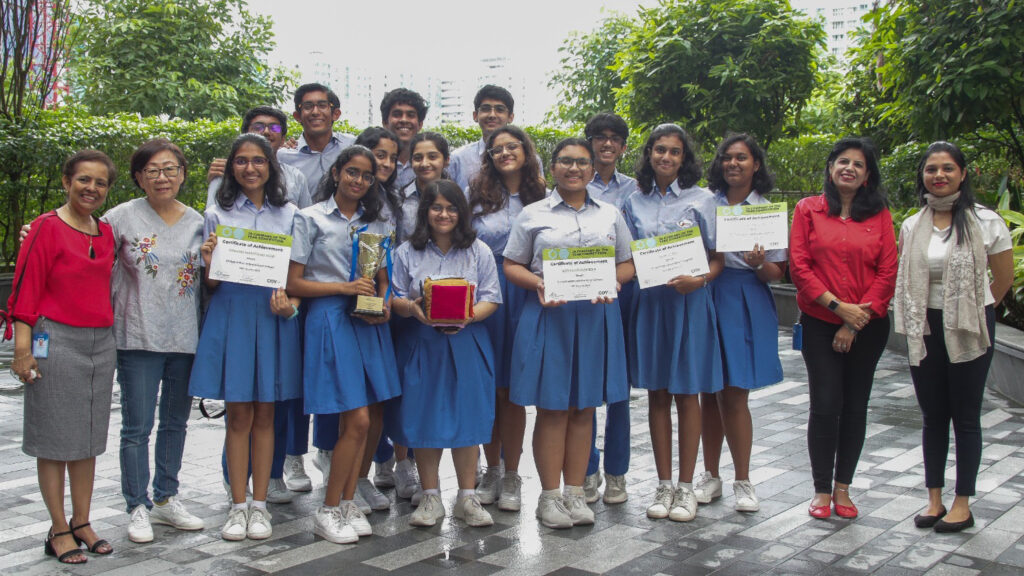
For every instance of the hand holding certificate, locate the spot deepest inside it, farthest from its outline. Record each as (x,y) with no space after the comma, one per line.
(740,227)
(662,258)
(250,257)
(582,273)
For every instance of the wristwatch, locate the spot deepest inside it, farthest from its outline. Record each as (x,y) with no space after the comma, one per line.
(833,305)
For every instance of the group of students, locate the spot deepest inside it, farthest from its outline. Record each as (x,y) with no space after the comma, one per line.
(484,214)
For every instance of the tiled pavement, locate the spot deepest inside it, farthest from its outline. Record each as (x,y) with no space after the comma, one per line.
(780,539)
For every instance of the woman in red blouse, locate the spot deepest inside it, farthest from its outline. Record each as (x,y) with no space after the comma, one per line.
(64,349)
(843,262)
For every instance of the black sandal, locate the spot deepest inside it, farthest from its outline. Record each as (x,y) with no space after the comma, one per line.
(100,542)
(69,557)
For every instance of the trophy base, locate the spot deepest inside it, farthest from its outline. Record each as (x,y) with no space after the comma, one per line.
(368,306)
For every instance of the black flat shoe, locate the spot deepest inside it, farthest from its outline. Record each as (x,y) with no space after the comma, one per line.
(73,556)
(924,521)
(946,527)
(100,546)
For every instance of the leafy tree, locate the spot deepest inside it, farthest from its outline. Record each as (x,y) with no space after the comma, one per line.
(34,36)
(184,58)
(719,65)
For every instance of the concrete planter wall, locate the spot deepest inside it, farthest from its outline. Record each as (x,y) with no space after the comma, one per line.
(1006,375)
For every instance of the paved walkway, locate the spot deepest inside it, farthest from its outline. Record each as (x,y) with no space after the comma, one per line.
(780,539)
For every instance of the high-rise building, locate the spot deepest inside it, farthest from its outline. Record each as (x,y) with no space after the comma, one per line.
(839,18)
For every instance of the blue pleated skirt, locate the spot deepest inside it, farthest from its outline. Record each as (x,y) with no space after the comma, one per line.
(447,396)
(569,356)
(245,352)
(347,363)
(674,341)
(748,327)
(501,326)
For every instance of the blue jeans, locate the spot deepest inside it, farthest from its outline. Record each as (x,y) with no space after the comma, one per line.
(140,373)
(616,441)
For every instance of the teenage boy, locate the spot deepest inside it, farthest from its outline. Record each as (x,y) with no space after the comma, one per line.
(316,108)
(402,111)
(493,108)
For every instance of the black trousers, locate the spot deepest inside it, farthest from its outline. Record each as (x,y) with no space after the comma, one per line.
(951,392)
(840,386)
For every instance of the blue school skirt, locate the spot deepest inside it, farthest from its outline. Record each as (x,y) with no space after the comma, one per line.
(569,356)
(501,326)
(447,389)
(748,327)
(347,363)
(246,353)
(674,341)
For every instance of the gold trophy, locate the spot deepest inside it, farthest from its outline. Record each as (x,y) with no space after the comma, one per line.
(371,251)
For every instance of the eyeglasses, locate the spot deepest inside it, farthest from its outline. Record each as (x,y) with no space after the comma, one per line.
(487,109)
(260,127)
(167,171)
(356,174)
(257,161)
(322,105)
(568,162)
(509,147)
(451,209)
(602,139)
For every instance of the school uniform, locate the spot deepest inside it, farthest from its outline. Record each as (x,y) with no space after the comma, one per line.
(447,379)
(571,355)
(674,337)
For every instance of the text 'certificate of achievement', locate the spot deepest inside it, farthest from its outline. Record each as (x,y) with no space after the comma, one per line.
(740,227)
(662,258)
(251,257)
(581,273)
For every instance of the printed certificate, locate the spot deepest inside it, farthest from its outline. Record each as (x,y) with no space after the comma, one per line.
(662,258)
(582,273)
(740,227)
(251,257)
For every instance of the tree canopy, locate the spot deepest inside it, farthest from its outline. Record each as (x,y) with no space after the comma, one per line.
(184,58)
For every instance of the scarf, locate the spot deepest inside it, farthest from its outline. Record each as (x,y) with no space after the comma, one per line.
(964,281)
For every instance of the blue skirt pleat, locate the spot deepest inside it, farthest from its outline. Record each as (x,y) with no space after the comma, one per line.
(569,356)
(447,396)
(748,327)
(246,353)
(501,326)
(347,363)
(674,341)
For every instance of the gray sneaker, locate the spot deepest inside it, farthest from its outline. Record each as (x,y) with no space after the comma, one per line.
(295,477)
(511,492)
(575,503)
(469,509)
(615,489)
(489,488)
(707,488)
(384,475)
(552,512)
(278,492)
(430,510)
(591,484)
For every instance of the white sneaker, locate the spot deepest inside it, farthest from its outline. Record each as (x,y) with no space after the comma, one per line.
(430,510)
(329,524)
(615,489)
(552,512)
(575,503)
(684,505)
(489,488)
(511,498)
(235,527)
(140,530)
(363,505)
(258,527)
(295,477)
(384,477)
(371,495)
(470,509)
(662,502)
(407,479)
(278,492)
(746,498)
(173,513)
(706,488)
(591,484)
(355,518)
(322,462)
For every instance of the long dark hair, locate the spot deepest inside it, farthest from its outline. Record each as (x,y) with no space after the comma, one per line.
(439,141)
(273,190)
(689,171)
(371,202)
(963,204)
(870,198)
(370,138)
(487,190)
(763,180)
(463,235)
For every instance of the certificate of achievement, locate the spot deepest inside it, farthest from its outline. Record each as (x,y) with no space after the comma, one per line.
(251,257)
(662,258)
(582,273)
(740,227)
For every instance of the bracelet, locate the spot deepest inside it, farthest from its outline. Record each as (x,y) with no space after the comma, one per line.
(295,312)
(705,277)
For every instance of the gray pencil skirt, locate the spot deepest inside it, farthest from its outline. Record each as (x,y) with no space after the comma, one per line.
(67,409)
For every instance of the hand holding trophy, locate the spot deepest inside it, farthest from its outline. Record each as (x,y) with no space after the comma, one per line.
(370,251)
